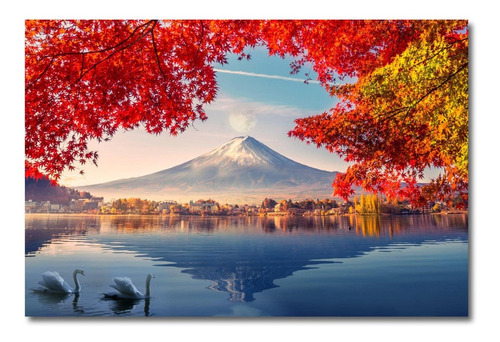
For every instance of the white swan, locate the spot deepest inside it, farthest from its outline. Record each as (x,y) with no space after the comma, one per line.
(127,290)
(54,283)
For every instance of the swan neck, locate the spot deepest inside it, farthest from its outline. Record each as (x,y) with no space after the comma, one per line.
(148,284)
(77,283)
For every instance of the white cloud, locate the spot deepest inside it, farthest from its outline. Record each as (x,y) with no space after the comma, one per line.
(253,74)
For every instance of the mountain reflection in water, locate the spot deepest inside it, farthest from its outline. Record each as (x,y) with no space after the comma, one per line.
(245,255)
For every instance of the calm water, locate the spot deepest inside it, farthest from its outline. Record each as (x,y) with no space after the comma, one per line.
(331,266)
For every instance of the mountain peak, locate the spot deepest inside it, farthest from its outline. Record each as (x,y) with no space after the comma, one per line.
(242,139)
(243,151)
(241,168)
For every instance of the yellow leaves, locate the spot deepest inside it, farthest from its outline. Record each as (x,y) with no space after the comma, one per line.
(442,128)
(425,86)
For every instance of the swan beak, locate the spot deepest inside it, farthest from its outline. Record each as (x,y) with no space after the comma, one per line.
(83,274)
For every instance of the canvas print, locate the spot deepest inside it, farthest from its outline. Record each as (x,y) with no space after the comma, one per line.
(248,168)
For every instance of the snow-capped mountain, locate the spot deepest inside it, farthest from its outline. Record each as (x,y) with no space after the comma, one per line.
(242,170)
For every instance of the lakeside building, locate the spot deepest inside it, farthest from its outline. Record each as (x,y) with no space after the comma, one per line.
(75,206)
(165,205)
(201,206)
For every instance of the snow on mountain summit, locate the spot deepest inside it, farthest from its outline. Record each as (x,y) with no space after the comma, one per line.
(241,169)
(244,151)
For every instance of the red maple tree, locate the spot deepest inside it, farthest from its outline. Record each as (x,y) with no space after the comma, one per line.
(85,79)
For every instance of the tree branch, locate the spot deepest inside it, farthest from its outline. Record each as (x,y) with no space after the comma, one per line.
(409,108)
(439,51)
(41,74)
(108,48)
(82,74)
(156,51)
(144,32)
(462,67)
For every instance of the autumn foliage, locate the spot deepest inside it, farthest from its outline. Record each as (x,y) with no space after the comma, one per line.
(402,88)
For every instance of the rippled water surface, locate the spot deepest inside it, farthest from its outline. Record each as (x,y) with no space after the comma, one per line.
(238,266)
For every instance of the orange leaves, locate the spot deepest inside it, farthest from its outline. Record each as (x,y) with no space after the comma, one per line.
(406,112)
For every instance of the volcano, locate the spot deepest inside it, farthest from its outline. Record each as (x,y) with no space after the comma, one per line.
(241,171)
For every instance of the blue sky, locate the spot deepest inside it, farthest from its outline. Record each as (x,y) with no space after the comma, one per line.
(257,97)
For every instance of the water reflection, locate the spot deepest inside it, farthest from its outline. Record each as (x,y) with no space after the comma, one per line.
(367,225)
(78,309)
(52,299)
(42,229)
(242,256)
(126,306)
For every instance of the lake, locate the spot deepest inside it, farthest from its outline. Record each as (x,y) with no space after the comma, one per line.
(415,265)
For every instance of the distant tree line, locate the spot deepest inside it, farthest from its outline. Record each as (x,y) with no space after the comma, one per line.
(133,205)
(39,190)
(308,204)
